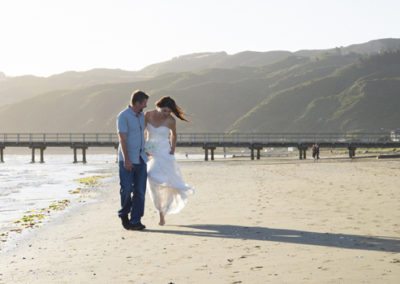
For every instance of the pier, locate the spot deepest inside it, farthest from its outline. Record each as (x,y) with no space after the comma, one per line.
(209,142)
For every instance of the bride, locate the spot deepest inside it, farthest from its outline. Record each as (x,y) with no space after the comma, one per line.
(168,191)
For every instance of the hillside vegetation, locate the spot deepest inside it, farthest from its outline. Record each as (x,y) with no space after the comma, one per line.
(353,88)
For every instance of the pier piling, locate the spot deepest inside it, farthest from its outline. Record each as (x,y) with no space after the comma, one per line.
(212,149)
(302,152)
(2,154)
(255,147)
(41,149)
(83,148)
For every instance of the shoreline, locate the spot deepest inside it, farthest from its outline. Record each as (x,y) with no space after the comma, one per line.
(87,191)
(253,222)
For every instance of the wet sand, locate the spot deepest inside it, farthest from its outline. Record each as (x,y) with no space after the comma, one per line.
(268,221)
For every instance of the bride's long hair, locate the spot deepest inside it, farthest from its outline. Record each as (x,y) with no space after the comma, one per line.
(170,103)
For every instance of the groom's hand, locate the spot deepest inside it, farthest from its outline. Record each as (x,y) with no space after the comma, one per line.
(128,165)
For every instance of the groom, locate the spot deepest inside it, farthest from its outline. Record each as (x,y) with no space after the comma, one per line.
(132,161)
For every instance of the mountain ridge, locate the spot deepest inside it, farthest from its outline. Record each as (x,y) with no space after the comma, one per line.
(317,93)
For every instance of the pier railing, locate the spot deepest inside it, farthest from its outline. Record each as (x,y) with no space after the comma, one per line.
(198,138)
(265,138)
(58,137)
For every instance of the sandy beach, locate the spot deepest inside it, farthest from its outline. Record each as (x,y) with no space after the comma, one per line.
(267,221)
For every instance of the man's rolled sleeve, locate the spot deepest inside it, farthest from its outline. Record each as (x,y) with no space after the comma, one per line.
(122,124)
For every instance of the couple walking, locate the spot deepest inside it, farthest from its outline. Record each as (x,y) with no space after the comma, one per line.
(146,159)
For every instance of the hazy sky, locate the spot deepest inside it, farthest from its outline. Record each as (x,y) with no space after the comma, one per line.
(44,37)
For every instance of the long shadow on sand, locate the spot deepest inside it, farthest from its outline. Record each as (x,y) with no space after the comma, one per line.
(347,241)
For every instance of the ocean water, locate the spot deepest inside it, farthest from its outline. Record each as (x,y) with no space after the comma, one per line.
(25,186)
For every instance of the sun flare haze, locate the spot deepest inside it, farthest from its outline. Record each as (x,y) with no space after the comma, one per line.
(47,37)
(212,141)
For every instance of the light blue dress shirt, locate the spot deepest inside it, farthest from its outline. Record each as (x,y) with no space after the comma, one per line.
(132,124)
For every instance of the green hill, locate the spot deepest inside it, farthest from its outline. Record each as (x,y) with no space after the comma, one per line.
(329,92)
(364,96)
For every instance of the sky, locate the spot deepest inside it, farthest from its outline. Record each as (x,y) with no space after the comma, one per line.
(45,37)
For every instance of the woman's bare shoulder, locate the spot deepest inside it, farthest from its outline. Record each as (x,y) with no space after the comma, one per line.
(171,119)
(171,122)
(149,113)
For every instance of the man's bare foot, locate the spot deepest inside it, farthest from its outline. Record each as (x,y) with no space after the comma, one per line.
(162,220)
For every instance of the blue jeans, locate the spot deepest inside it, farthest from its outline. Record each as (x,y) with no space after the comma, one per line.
(133,190)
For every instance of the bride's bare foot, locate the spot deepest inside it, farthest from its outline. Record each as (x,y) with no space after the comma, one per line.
(162,220)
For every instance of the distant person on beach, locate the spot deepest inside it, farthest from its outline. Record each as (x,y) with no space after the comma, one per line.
(132,161)
(315,151)
(168,191)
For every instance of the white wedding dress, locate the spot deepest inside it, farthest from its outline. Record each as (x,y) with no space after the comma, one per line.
(168,191)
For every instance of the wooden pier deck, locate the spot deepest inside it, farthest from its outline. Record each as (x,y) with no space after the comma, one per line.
(207,141)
